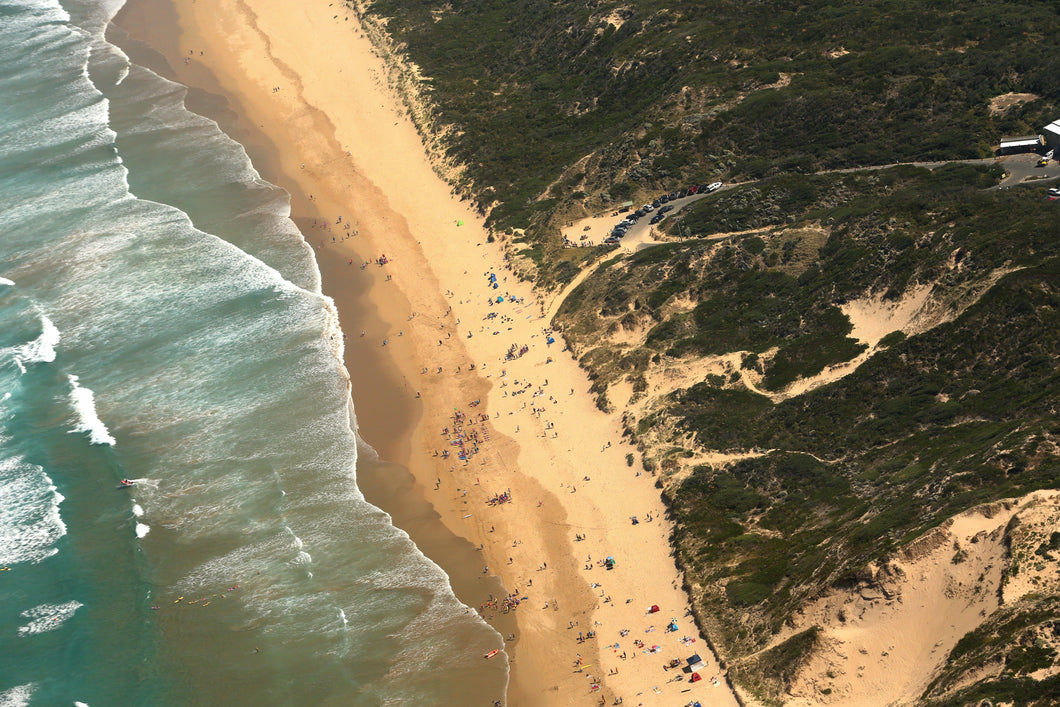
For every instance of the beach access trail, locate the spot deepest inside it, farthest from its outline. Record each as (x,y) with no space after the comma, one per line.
(508,445)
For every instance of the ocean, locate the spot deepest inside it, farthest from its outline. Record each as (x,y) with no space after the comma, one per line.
(161,321)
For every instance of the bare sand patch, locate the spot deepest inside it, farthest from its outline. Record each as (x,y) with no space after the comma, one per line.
(1001,104)
(885,639)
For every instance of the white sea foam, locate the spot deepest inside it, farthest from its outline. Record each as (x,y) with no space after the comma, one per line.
(30,524)
(80,704)
(41,349)
(142,529)
(47,617)
(18,696)
(333,333)
(83,400)
(5,281)
(138,511)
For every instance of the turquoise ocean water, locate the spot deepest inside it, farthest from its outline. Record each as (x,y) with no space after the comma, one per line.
(161,320)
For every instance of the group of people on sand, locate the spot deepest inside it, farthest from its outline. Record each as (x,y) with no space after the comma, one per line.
(510,602)
(466,441)
(323,224)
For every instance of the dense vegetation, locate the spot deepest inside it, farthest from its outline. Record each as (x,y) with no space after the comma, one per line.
(930,425)
(553,105)
(557,108)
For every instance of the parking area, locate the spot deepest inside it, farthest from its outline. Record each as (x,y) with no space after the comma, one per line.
(634,228)
(1024,169)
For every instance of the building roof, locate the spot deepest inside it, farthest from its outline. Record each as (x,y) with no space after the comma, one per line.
(1021,141)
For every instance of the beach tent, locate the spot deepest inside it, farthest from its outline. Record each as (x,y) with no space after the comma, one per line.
(696,677)
(550,341)
(654,608)
(696,663)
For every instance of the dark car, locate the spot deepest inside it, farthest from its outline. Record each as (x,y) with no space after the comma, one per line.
(657,218)
(656,203)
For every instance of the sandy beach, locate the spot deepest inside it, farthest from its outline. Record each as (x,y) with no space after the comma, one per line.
(452,373)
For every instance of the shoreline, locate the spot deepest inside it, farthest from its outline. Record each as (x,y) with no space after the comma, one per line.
(385,420)
(347,154)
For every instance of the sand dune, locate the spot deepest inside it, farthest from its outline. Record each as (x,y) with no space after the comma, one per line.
(887,638)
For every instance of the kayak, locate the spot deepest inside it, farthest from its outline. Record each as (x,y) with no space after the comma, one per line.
(491,653)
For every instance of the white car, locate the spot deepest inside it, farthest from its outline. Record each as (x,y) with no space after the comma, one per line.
(714,187)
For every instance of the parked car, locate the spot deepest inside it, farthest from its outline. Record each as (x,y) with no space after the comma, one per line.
(715,186)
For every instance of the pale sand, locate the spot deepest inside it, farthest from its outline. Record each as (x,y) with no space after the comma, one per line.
(332,99)
(887,639)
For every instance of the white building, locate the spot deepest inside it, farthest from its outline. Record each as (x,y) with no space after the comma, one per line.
(1051,133)
(1016,145)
